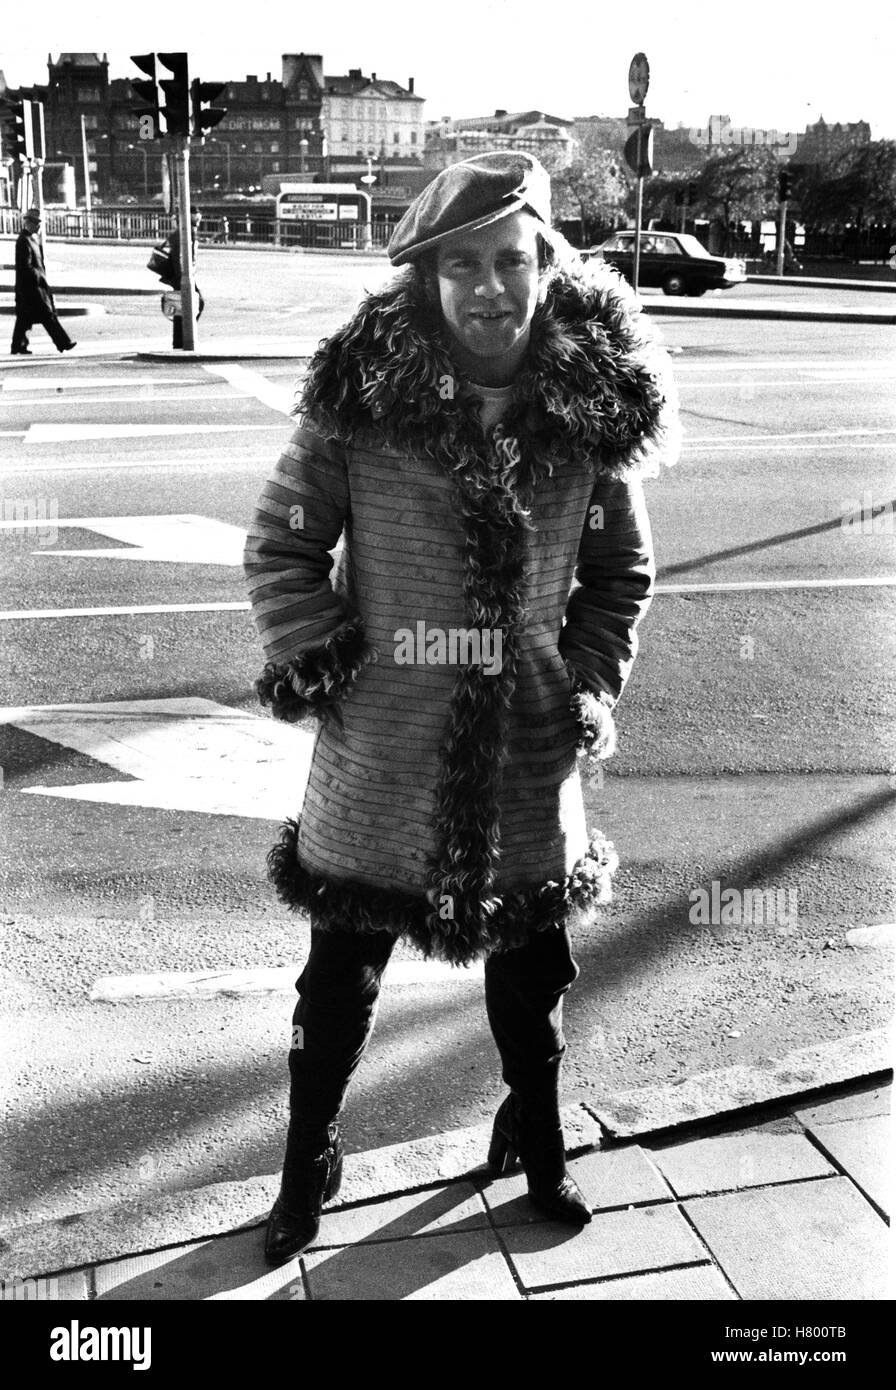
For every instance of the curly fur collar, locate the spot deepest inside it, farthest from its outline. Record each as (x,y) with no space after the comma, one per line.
(596,387)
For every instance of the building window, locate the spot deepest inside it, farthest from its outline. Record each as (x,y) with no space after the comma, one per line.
(345,137)
(413,137)
(303,91)
(91,122)
(88,94)
(396,138)
(275,166)
(257,146)
(275,147)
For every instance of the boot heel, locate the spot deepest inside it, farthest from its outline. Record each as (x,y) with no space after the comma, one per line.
(334,1182)
(502,1156)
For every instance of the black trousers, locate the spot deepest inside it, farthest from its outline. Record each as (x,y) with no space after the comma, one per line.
(338,998)
(26,321)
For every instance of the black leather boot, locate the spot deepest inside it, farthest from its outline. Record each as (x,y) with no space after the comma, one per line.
(312,1176)
(533,1133)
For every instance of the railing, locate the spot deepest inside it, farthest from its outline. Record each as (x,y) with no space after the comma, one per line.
(252,226)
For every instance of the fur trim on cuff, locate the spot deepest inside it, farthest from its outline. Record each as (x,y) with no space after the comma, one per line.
(504,922)
(317,681)
(594,717)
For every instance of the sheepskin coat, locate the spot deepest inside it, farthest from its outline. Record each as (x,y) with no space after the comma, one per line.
(479,624)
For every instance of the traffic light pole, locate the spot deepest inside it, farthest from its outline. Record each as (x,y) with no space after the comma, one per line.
(185,224)
(782,234)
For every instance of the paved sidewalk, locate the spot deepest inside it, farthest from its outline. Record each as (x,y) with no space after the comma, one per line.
(793,1205)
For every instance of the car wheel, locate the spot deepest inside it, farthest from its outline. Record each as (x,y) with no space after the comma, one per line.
(674,283)
(696,290)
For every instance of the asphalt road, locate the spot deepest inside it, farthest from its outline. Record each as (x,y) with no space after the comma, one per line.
(756,750)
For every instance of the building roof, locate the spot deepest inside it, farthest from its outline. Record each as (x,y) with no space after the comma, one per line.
(342,84)
(80,60)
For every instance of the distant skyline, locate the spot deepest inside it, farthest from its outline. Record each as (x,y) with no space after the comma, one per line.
(773,68)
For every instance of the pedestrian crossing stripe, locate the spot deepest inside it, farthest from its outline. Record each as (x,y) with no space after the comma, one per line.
(182,753)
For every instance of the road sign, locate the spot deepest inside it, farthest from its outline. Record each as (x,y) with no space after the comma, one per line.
(635,115)
(638,78)
(645,168)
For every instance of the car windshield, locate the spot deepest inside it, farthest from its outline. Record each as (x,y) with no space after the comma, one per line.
(692,247)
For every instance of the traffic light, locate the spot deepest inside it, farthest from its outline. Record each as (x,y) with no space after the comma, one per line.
(785,186)
(177,93)
(23,129)
(150,113)
(204,115)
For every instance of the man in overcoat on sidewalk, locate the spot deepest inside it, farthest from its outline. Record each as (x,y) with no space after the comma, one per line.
(34,298)
(477,434)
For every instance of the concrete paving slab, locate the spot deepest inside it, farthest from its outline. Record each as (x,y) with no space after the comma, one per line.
(231,1268)
(706,1095)
(616,1242)
(611,1178)
(699,1283)
(466,1266)
(856,1104)
(864,1149)
(169,1218)
(458,1208)
(728,1161)
(812,1240)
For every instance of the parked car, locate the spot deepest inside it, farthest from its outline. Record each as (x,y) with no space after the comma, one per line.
(674,260)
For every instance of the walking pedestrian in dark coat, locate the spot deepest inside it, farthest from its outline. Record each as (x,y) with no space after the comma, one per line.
(478,431)
(34,298)
(174,278)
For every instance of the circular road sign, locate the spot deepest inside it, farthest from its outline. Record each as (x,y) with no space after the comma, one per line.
(638,79)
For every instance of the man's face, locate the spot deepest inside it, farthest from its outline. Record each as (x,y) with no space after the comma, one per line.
(488,289)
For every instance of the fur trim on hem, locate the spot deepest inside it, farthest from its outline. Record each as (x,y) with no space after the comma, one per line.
(316,681)
(349,905)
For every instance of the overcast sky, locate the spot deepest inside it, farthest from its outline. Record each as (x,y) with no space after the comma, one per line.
(772,66)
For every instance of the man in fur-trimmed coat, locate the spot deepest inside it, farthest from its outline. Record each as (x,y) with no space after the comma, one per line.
(477,433)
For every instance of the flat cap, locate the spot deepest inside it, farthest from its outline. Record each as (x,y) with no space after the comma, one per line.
(470,195)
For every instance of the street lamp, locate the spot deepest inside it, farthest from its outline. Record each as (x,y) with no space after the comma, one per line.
(142,151)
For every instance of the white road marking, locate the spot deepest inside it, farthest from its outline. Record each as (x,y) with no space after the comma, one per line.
(16,613)
(78,383)
(70,433)
(190,461)
(219,396)
(843,444)
(277,397)
(881,582)
(180,538)
(189,754)
(782,364)
(786,383)
(857,432)
(191,984)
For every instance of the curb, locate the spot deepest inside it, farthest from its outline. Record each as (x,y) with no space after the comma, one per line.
(822,282)
(63,311)
(793,312)
(121,291)
(168,1220)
